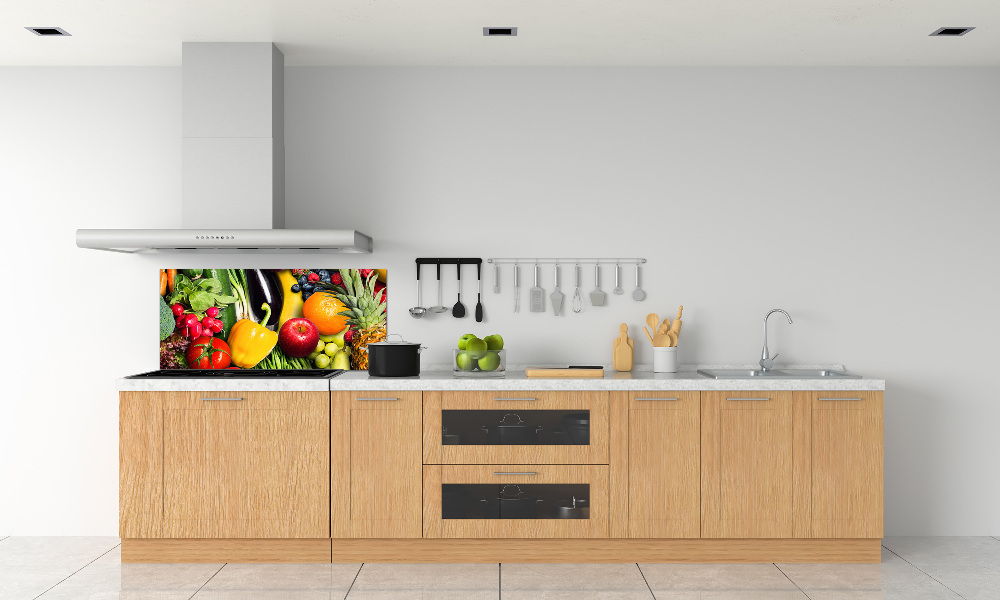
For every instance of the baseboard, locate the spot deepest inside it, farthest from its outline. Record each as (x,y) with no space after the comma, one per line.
(504,550)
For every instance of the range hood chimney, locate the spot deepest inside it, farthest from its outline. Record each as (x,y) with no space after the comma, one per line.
(233,144)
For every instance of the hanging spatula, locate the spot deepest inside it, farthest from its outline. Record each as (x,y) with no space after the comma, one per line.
(597,297)
(557,296)
(536,295)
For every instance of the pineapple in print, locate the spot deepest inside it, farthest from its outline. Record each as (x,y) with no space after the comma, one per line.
(364,309)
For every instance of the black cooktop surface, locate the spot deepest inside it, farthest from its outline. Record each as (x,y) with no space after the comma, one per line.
(239,374)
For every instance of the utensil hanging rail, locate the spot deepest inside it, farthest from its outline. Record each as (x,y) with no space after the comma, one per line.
(567,261)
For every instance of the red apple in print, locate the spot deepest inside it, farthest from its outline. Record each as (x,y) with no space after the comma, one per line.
(298,337)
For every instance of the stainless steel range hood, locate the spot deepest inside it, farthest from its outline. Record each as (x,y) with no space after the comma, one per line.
(233,164)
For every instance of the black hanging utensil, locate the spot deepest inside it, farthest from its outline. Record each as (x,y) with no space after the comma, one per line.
(479,297)
(459,310)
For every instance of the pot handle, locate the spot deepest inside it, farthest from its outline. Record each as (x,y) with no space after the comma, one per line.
(421,349)
(400,336)
(520,421)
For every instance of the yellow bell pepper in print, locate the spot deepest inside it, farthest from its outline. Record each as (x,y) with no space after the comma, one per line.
(250,341)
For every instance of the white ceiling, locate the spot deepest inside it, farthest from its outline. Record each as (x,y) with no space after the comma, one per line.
(551,32)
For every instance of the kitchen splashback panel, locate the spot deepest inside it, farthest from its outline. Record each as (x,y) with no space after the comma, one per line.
(270,318)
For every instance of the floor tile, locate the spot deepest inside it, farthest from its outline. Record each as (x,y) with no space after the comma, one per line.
(893,579)
(971,584)
(425,594)
(329,577)
(269,594)
(70,551)
(28,581)
(842,577)
(582,581)
(745,595)
(929,553)
(426,582)
(675,577)
(166,577)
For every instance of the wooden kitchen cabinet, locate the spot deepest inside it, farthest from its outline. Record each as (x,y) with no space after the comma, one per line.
(224,465)
(376,465)
(664,449)
(841,491)
(746,465)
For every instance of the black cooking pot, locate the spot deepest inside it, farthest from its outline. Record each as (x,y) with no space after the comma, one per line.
(512,432)
(515,504)
(394,359)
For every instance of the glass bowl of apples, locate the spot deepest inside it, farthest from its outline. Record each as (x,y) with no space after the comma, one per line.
(477,357)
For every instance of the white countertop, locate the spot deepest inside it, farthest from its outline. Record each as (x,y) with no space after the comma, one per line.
(640,379)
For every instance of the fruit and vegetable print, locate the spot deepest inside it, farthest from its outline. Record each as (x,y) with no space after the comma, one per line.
(270,318)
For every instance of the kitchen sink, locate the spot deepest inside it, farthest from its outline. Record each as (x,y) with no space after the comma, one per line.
(777,374)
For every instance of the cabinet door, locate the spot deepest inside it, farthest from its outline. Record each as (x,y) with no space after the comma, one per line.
(847,465)
(246,465)
(140,464)
(663,478)
(376,466)
(746,457)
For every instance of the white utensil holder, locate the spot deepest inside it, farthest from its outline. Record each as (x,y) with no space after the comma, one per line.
(664,359)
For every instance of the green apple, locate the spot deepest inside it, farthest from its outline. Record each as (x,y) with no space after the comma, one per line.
(476,348)
(494,342)
(465,361)
(464,340)
(341,361)
(490,361)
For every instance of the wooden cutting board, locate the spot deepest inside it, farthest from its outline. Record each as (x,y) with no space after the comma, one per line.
(563,372)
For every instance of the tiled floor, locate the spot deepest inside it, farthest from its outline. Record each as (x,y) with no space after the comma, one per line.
(69,568)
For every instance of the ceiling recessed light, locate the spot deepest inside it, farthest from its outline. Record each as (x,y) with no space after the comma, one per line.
(952,31)
(47,31)
(499,31)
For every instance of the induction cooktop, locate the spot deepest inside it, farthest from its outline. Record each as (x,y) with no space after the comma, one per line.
(238,374)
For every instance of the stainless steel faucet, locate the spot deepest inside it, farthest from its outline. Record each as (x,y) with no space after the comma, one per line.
(766,360)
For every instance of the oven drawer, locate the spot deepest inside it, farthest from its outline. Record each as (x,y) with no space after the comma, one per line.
(515,427)
(515,501)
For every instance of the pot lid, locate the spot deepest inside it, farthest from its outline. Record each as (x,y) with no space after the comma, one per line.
(401,341)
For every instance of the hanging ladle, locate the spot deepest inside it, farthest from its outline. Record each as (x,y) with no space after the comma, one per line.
(418,311)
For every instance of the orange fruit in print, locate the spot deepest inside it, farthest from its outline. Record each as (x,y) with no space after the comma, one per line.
(322,310)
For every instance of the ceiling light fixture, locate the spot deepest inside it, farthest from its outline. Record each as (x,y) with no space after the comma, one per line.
(48,31)
(499,31)
(952,31)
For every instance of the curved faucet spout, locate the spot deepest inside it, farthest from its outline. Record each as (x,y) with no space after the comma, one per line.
(766,360)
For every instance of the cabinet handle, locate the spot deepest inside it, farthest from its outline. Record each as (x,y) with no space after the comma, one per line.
(515,399)
(840,399)
(514,473)
(377,399)
(656,399)
(221,399)
(744,399)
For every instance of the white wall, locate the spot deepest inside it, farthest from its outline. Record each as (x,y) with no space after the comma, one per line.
(860,200)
